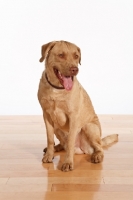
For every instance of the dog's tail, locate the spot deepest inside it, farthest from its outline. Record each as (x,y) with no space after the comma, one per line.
(108,140)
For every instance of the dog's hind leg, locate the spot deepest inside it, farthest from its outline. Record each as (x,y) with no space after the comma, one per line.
(93,133)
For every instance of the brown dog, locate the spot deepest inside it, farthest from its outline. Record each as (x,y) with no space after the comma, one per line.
(67,109)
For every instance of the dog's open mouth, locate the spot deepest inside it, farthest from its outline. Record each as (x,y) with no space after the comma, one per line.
(66,81)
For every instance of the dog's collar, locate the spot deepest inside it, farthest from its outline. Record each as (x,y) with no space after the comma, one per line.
(54,86)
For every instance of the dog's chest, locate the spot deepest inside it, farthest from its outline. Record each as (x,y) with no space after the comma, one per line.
(57,111)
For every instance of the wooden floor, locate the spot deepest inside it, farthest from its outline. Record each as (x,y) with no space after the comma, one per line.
(24,177)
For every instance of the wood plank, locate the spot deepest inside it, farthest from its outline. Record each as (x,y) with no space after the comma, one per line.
(52,180)
(67,195)
(92,188)
(119,180)
(93,173)
(24,188)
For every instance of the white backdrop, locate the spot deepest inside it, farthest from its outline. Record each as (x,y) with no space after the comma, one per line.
(103,29)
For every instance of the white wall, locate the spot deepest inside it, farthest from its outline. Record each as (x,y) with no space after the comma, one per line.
(103,29)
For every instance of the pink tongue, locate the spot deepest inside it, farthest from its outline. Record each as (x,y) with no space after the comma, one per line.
(67,83)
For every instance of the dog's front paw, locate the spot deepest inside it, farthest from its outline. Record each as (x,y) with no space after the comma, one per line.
(67,167)
(97,157)
(47,158)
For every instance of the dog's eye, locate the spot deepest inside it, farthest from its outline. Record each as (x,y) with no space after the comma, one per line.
(61,55)
(76,56)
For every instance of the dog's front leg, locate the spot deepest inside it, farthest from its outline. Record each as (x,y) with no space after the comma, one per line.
(48,156)
(68,163)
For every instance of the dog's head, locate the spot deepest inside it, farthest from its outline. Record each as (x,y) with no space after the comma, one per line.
(62,59)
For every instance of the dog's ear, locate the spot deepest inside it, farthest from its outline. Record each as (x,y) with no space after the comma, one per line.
(79,54)
(45,49)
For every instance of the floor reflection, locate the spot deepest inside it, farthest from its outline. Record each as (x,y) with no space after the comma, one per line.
(86,177)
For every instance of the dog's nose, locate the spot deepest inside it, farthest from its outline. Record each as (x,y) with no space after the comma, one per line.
(74,70)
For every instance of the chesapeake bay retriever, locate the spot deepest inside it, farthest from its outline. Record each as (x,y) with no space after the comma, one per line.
(67,109)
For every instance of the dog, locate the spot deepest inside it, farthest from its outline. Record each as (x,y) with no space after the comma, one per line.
(67,109)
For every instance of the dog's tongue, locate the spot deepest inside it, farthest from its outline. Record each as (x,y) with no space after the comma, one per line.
(67,82)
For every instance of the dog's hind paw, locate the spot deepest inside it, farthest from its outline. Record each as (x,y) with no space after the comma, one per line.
(97,157)
(57,148)
(45,150)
